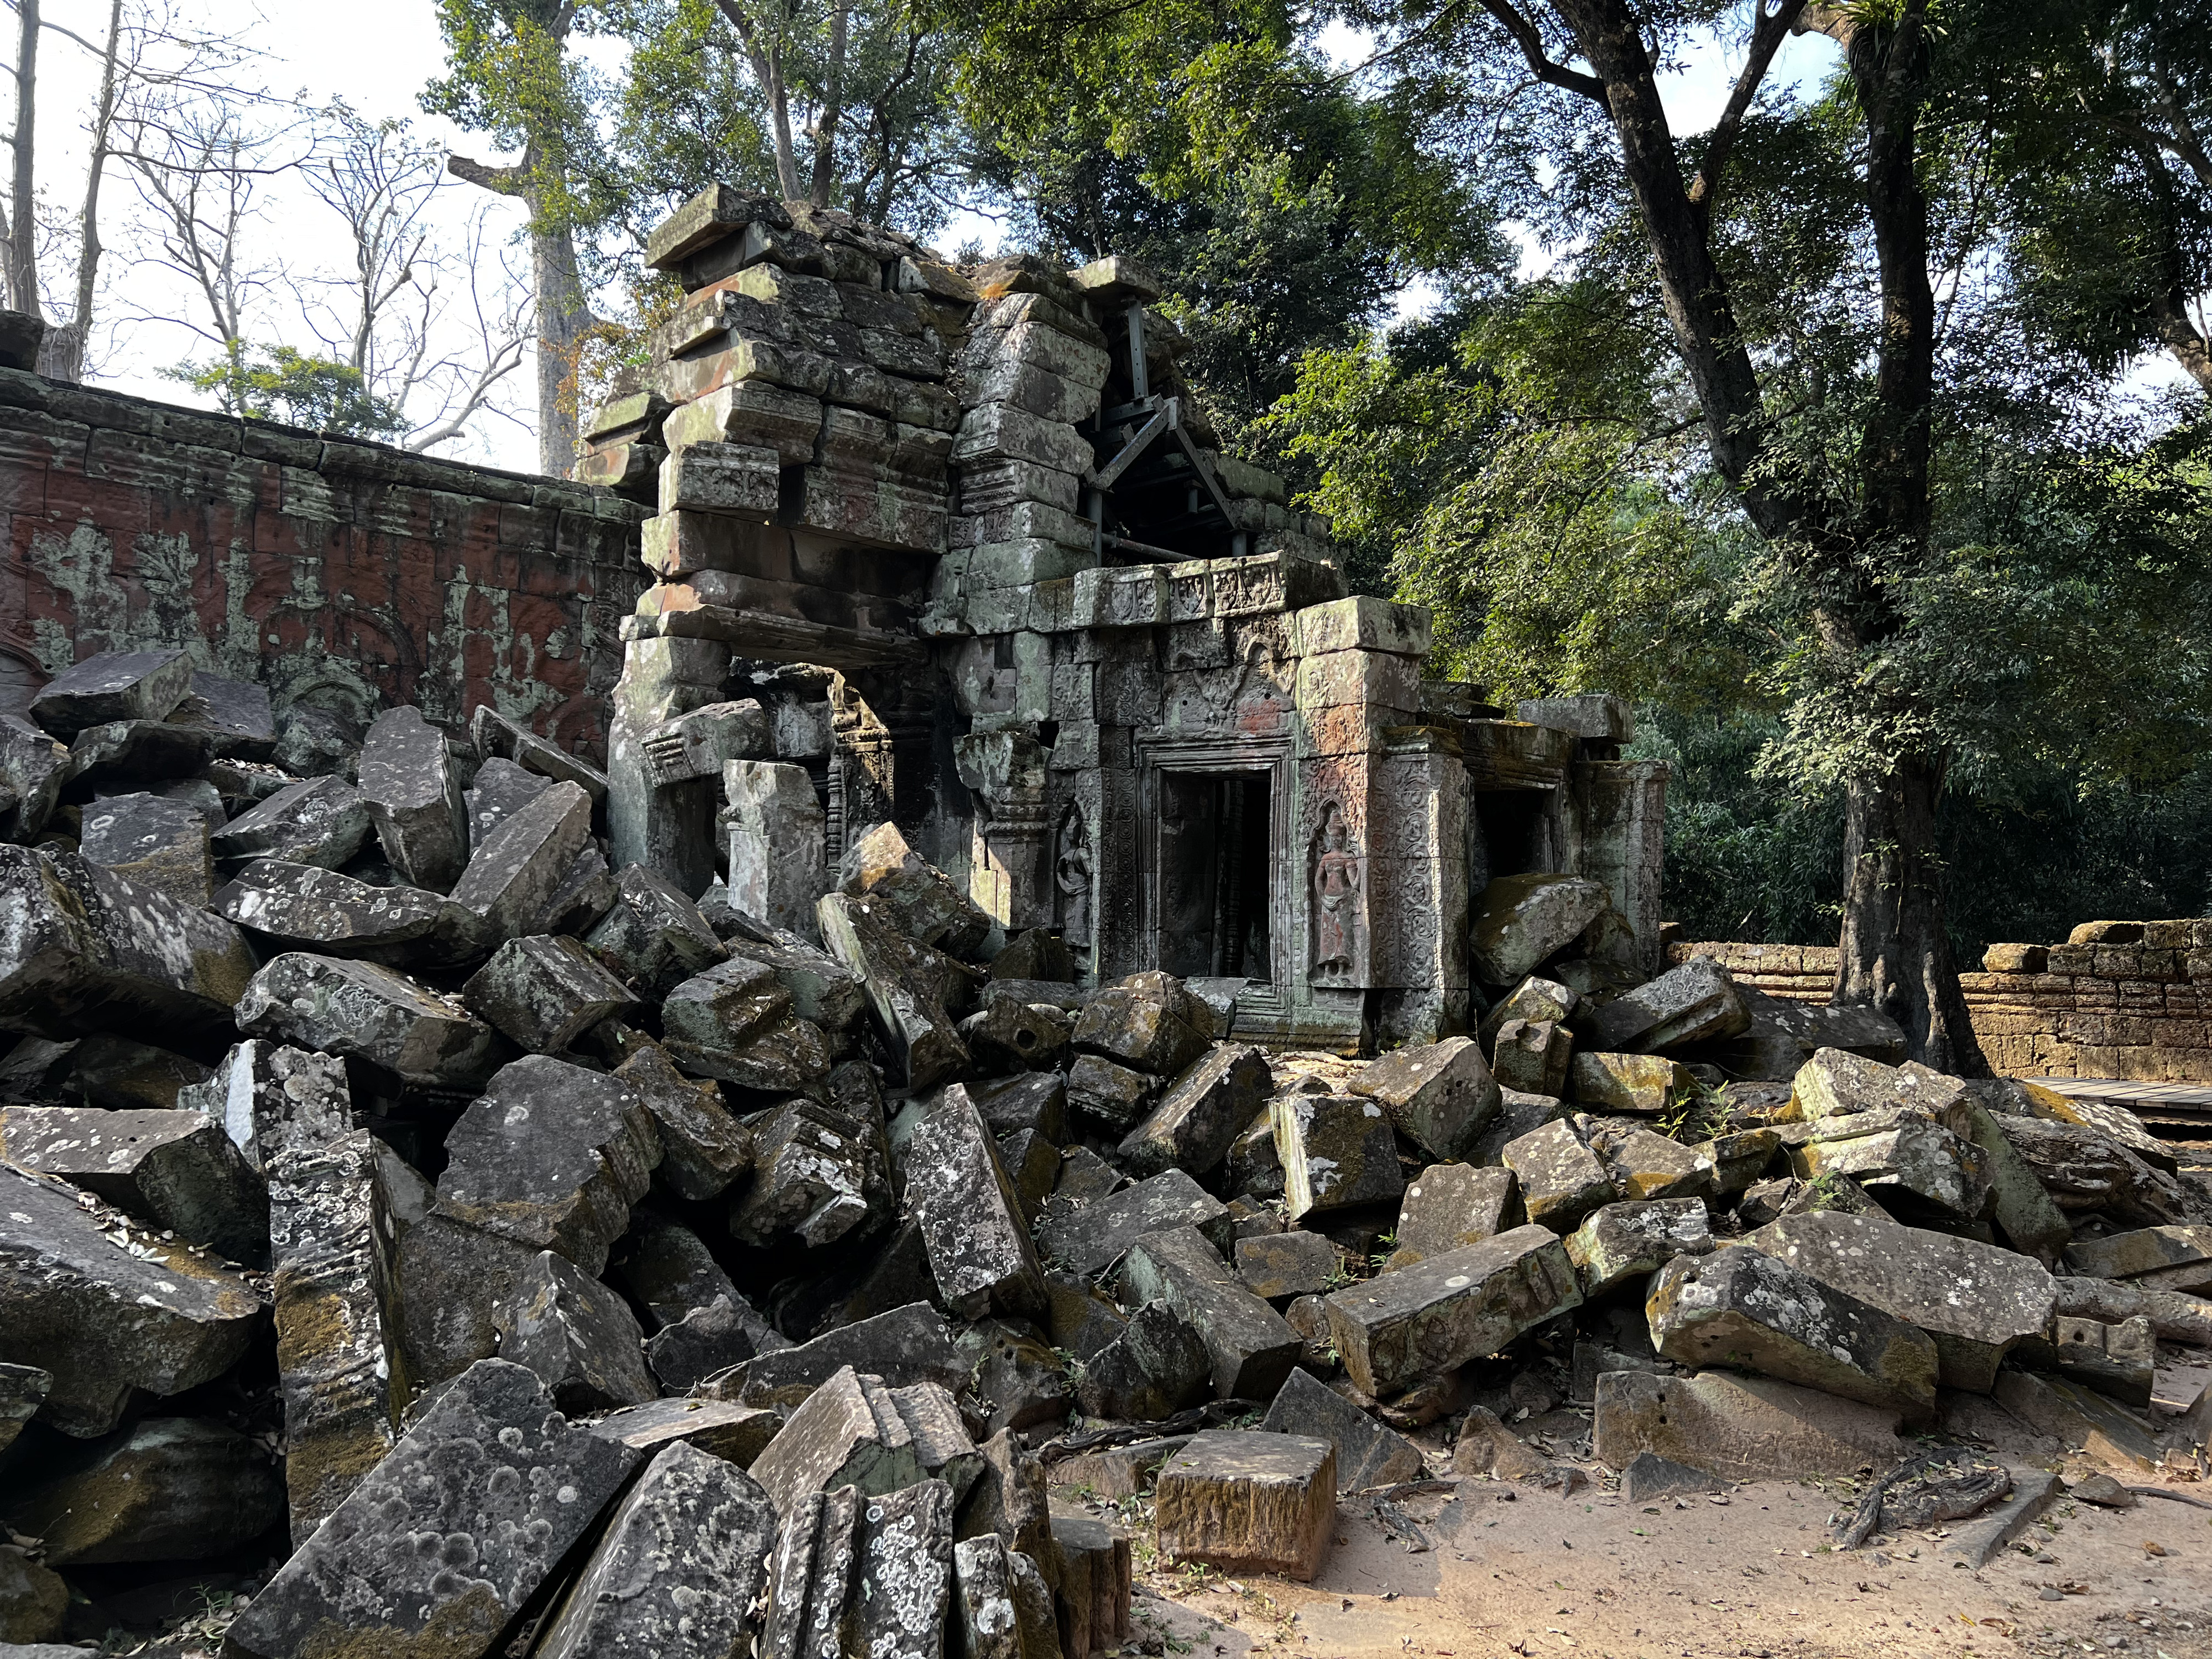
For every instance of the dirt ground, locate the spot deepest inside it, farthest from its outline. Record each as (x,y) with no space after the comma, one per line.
(1501,1569)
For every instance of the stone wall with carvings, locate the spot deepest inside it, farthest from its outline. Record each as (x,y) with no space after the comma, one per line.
(2139,1009)
(336,572)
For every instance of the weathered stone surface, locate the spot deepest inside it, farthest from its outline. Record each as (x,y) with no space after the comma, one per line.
(551,1156)
(33,1604)
(516,871)
(1033,1100)
(1253,1349)
(1532,1057)
(1837,1084)
(1451,1205)
(1002,1607)
(904,990)
(902,1573)
(1739,1428)
(304,906)
(653,938)
(1440,1095)
(1090,1238)
(1396,1330)
(736,1434)
(1155,1366)
(1338,1151)
(776,848)
(1517,1114)
(2075,1416)
(704,1148)
(906,1346)
(823,989)
(1094,1584)
(83,949)
(1650,1477)
(1281,1266)
(810,1173)
(1622,1242)
(1561,1180)
(1486,1446)
(2029,1218)
(1976,1301)
(1520,921)
(1532,999)
(339,1355)
(579,1336)
(33,769)
(1697,1002)
(155,840)
(676,1576)
(1645,1164)
(137,751)
(1367,1452)
(1741,1307)
(266,1094)
(168,1489)
(2156,1258)
(495,735)
(1646,1084)
(912,895)
(369,1012)
(2084,1168)
(543,993)
(322,822)
(1200,1113)
(971,1221)
(1115,1095)
(2120,1361)
(1147,1022)
(22,1391)
(810,1576)
(112,685)
(1738,1158)
(175,1169)
(854,1432)
(501,787)
(414,798)
(492,1473)
(1903,1160)
(108,1307)
(1078,1316)
(1248,1502)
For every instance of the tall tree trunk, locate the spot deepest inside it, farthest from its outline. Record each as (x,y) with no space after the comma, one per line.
(564,316)
(22,269)
(61,355)
(1895,951)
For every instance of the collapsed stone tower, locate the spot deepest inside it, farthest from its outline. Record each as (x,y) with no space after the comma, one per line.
(952,547)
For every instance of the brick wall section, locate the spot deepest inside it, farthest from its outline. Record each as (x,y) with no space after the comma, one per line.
(336,572)
(2138,1011)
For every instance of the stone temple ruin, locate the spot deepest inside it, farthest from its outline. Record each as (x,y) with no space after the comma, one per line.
(1097,672)
(1048,1065)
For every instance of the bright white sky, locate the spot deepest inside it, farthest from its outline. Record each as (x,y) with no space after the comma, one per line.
(378,58)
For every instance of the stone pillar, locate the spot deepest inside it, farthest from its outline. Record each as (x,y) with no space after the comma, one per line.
(666,825)
(1618,822)
(1417,870)
(1012,876)
(778,842)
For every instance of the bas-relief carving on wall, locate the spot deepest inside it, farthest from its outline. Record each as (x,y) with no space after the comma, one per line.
(1339,926)
(1072,868)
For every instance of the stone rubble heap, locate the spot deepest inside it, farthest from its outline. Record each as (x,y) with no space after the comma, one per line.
(531,1259)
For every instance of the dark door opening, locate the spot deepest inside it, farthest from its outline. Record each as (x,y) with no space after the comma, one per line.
(1214,875)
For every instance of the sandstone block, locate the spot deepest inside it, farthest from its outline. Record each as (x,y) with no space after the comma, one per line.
(1560,1179)
(1742,1308)
(1645,1084)
(155,840)
(1532,1057)
(1697,1002)
(1156,1365)
(1338,1151)
(1248,1502)
(323,822)
(908,1345)
(971,1221)
(1739,1428)
(777,842)
(1419,1322)
(1451,1205)
(492,1471)
(1367,1454)
(1200,1113)
(545,992)
(578,1335)
(1975,1300)
(653,938)
(1252,1348)
(302,906)
(112,685)
(1090,1238)
(516,870)
(369,1012)
(1280,1266)
(810,1169)
(267,1095)
(1148,1022)
(1622,1242)
(1522,921)
(168,1489)
(414,798)
(1440,1095)
(175,1169)
(854,1432)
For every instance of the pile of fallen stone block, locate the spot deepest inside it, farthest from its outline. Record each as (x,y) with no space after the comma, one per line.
(440,1241)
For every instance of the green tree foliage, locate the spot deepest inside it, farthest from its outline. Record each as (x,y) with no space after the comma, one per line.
(277,383)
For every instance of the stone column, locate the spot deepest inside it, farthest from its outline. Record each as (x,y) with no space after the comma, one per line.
(1618,822)
(667,825)
(778,840)
(1011,877)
